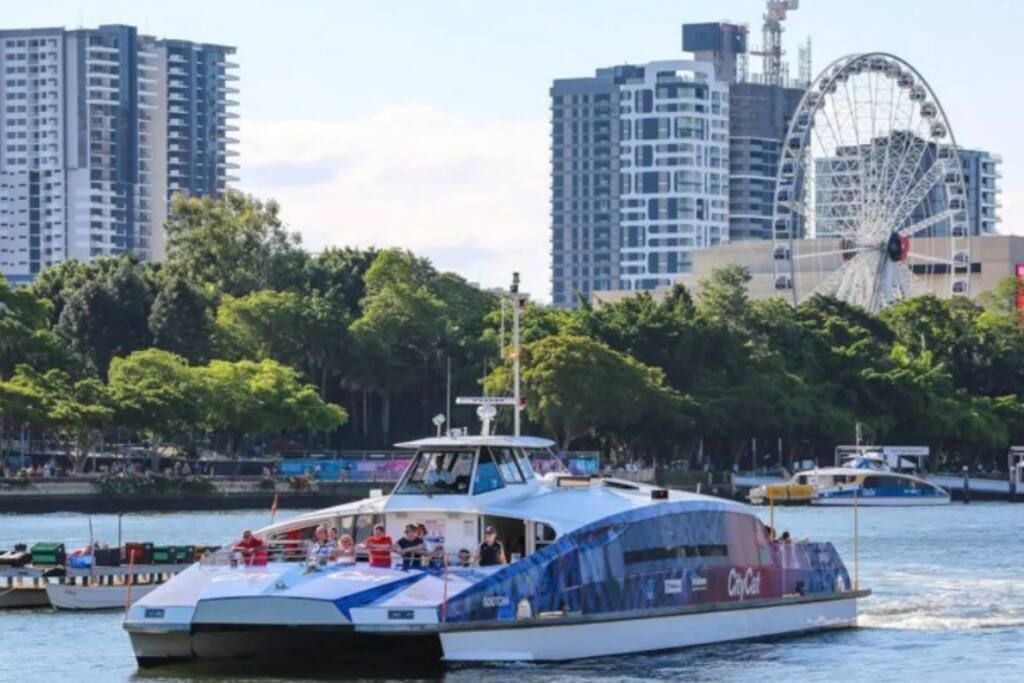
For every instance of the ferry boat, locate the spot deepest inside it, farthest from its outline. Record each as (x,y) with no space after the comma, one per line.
(597,566)
(866,477)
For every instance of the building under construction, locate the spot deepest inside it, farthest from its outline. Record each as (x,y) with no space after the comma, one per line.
(760,107)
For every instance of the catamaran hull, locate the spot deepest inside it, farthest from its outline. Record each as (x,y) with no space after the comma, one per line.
(556,642)
(280,643)
(513,642)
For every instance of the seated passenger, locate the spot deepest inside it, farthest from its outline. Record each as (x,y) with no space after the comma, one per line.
(249,545)
(437,560)
(490,552)
(465,558)
(346,552)
(321,549)
(410,547)
(379,547)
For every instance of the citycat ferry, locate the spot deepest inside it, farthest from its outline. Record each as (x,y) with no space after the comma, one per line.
(597,566)
(865,478)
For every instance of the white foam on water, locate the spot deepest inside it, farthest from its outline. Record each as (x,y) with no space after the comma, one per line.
(935,599)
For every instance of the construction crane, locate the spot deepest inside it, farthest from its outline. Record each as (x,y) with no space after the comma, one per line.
(771,49)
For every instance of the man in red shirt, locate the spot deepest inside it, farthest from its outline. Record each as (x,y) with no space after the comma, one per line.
(249,546)
(379,546)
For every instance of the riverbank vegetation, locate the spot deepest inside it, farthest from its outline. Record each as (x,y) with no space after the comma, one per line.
(242,337)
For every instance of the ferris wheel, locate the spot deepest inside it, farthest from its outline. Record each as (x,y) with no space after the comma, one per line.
(870,203)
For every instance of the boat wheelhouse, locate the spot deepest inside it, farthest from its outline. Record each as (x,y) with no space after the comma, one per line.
(597,566)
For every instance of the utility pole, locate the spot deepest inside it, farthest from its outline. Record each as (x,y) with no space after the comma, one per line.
(516,302)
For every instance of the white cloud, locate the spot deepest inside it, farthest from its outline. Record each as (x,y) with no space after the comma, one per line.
(471,194)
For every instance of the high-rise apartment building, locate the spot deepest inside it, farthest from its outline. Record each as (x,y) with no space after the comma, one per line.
(759,115)
(981,182)
(98,128)
(639,175)
(839,182)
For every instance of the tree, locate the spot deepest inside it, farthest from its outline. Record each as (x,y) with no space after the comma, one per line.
(109,317)
(180,320)
(21,406)
(78,413)
(263,324)
(155,392)
(24,330)
(575,385)
(723,295)
(250,399)
(238,244)
(400,330)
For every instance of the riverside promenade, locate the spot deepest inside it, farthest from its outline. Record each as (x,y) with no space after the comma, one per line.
(82,494)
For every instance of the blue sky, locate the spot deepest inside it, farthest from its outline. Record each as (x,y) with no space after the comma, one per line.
(424,123)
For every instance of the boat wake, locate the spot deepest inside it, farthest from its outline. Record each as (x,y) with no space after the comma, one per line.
(944,603)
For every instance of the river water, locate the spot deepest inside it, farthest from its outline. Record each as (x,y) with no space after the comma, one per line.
(948,604)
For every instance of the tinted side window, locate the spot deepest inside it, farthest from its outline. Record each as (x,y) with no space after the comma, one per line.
(487,477)
(506,461)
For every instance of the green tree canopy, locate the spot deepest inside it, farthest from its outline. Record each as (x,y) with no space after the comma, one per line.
(237,244)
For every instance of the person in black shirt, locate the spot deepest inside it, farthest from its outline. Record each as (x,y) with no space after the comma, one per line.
(410,547)
(490,552)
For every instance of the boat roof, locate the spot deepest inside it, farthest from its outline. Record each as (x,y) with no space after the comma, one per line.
(476,441)
(565,508)
(833,471)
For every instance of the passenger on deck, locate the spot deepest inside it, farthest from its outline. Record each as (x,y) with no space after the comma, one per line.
(437,560)
(785,538)
(465,558)
(379,546)
(332,535)
(321,549)
(346,552)
(490,552)
(410,547)
(249,545)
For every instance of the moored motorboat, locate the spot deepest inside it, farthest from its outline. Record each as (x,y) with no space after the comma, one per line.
(99,588)
(863,479)
(596,566)
(889,489)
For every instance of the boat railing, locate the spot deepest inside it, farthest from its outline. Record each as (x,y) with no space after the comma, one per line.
(273,550)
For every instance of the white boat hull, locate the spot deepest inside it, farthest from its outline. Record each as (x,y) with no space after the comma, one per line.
(883,501)
(71,597)
(556,642)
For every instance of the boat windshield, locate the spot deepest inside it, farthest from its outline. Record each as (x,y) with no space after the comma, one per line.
(439,472)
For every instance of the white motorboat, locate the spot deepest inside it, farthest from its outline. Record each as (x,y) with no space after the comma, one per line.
(865,478)
(79,597)
(596,567)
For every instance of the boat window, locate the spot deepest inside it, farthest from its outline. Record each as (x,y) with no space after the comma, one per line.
(437,472)
(524,464)
(544,533)
(347,526)
(802,479)
(506,460)
(676,553)
(487,476)
(876,482)
(364,526)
